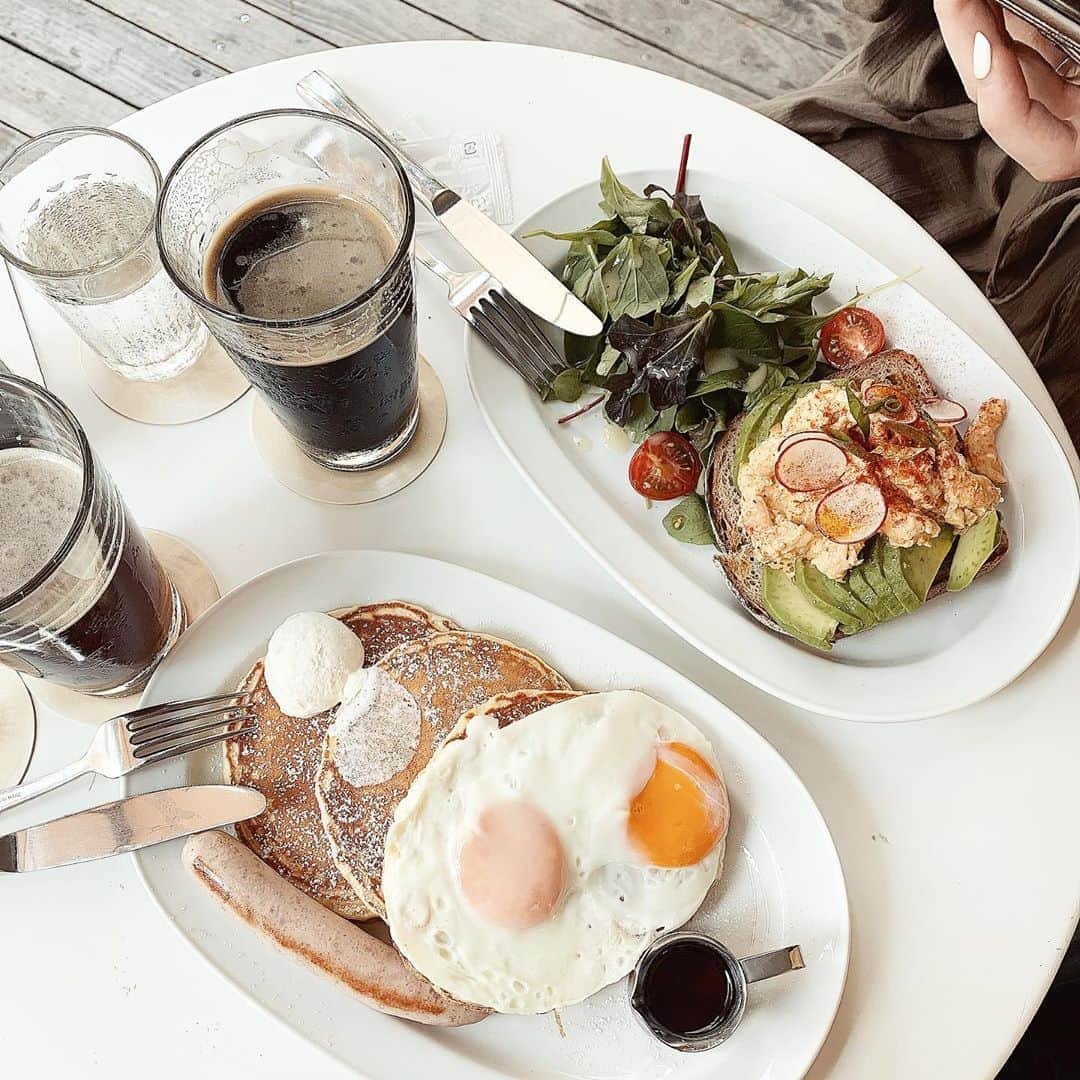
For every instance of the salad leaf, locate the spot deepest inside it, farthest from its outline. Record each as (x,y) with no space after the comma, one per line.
(661,359)
(633,276)
(567,385)
(688,521)
(603,233)
(635,211)
(583,274)
(680,282)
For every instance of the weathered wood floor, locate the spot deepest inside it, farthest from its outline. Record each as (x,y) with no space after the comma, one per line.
(68,62)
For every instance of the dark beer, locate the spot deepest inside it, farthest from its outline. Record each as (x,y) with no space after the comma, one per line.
(104,612)
(304,252)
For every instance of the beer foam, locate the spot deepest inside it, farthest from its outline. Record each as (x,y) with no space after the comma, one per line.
(39,498)
(40,494)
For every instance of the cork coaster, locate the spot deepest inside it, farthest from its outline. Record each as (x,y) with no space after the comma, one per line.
(211,384)
(292,468)
(197,589)
(18,726)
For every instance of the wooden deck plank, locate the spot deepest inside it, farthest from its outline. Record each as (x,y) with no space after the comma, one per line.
(824,23)
(83,61)
(106,51)
(9,139)
(550,22)
(231,33)
(343,22)
(760,58)
(38,95)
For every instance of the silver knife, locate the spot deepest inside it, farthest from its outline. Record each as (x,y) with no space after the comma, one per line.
(521,273)
(126,825)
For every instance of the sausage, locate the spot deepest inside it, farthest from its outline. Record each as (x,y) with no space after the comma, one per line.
(373,970)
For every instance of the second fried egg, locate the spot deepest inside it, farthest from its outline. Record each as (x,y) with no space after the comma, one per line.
(529,866)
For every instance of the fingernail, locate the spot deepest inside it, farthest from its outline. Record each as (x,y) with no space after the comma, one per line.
(980,56)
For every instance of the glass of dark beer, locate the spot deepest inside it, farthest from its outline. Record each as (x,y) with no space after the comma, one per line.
(292,231)
(84,601)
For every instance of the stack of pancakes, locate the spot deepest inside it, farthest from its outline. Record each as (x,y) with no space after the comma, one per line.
(323,834)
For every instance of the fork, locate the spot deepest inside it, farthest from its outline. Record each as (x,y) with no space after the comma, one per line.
(145,737)
(501,321)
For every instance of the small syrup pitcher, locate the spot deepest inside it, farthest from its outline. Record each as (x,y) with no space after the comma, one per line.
(690,992)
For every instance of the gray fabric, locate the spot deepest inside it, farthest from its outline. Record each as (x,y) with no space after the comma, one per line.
(897,113)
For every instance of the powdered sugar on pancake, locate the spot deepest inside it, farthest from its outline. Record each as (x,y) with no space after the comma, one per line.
(376,729)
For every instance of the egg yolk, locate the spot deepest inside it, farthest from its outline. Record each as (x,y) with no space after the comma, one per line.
(512,868)
(681,813)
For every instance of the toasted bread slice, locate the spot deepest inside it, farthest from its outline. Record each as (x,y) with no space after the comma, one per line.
(280,759)
(735,555)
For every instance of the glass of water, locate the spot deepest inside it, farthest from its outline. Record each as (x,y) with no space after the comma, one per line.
(77,218)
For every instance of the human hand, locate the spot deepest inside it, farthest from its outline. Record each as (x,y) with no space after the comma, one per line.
(1021,84)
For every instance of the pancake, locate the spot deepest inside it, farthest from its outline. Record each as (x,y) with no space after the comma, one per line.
(447,674)
(508,708)
(281,758)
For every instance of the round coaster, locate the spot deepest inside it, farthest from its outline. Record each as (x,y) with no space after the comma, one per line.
(208,386)
(292,468)
(197,589)
(18,726)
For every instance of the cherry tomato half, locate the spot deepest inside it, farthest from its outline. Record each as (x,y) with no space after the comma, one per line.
(664,466)
(851,336)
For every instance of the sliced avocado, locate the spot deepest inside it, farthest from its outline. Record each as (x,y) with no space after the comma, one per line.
(861,590)
(759,422)
(893,570)
(887,602)
(975,546)
(793,611)
(834,598)
(921,563)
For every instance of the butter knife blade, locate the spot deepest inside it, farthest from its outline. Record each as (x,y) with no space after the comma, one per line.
(523,275)
(126,825)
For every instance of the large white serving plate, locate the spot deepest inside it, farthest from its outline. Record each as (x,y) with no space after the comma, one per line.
(782,882)
(956,651)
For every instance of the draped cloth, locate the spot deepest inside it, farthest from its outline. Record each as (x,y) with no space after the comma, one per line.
(897,113)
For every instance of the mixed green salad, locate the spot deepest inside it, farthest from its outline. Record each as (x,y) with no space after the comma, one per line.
(689,340)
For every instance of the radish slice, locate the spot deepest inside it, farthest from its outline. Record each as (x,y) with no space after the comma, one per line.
(892,404)
(851,513)
(943,410)
(798,436)
(811,465)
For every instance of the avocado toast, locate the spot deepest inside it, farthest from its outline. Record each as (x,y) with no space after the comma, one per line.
(840,504)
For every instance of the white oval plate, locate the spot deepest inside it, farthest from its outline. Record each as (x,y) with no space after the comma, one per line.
(782,883)
(956,651)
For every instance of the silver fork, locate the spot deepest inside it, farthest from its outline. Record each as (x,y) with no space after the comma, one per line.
(501,321)
(145,737)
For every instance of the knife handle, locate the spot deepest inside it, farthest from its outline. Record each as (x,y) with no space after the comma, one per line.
(16,796)
(317,88)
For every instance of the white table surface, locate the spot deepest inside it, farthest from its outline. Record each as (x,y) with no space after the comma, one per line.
(957,835)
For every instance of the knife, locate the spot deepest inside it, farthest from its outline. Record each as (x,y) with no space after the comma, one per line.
(135,822)
(521,273)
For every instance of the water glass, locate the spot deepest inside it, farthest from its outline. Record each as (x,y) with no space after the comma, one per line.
(77,218)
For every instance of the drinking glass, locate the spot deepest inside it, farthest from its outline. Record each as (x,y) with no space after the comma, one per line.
(84,601)
(77,218)
(342,382)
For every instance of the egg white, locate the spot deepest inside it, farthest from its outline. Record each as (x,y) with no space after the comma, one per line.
(581,762)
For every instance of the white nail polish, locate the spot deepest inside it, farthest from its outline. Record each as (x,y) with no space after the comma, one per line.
(980,56)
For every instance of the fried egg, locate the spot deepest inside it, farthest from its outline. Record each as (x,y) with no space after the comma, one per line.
(528,866)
